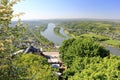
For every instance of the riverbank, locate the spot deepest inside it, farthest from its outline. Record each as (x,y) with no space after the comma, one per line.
(57,31)
(110,44)
(100,38)
(49,33)
(103,39)
(57,40)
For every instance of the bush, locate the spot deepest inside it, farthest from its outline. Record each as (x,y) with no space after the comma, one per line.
(81,48)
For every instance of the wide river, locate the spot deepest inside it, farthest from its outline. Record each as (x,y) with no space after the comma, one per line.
(50,35)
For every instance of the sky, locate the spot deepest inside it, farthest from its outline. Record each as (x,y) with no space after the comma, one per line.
(65,9)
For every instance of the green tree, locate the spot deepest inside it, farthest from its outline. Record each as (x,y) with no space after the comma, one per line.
(82,48)
(36,67)
(6,12)
(7,38)
(106,69)
(87,60)
(63,49)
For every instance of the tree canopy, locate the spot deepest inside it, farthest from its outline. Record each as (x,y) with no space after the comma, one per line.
(81,47)
(35,67)
(85,59)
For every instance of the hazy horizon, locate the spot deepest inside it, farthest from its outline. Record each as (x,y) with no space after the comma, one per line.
(68,9)
(69,19)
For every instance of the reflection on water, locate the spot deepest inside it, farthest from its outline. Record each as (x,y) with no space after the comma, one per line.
(50,35)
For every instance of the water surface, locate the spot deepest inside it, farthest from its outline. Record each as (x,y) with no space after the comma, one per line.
(50,35)
(113,50)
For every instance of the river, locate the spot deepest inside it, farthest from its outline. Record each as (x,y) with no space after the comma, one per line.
(50,35)
(113,50)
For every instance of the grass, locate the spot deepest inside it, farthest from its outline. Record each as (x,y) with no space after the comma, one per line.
(94,35)
(57,31)
(103,39)
(112,42)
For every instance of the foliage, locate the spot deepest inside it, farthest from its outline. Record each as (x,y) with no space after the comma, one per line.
(9,43)
(102,39)
(106,69)
(82,48)
(63,49)
(34,34)
(10,38)
(113,42)
(6,12)
(57,31)
(102,31)
(42,27)
(34,66)
(99,27)
(87,60)
(96,37)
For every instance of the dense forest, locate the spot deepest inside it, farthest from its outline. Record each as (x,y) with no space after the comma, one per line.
(84,54)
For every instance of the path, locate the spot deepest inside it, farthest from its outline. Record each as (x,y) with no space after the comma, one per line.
(54,57)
